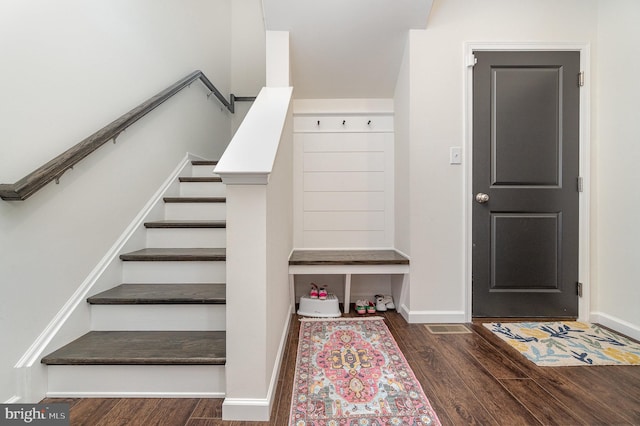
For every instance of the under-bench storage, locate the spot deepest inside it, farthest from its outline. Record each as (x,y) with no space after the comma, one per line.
(347,263)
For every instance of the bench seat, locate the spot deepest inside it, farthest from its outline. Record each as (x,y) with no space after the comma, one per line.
(346,262)
(347,257)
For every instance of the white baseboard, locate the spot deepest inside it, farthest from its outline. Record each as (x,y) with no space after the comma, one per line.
(259,409)
(617,324)
(404,311)
(432,317)
(247,409)
(217,395)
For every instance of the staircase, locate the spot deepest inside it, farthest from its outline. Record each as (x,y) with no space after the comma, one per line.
(161,332)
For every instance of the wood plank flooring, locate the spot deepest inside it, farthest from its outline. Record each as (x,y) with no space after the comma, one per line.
(469,378)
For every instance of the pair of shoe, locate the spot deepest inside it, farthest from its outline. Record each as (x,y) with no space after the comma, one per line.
(384,302)
(365,307)
(318,293)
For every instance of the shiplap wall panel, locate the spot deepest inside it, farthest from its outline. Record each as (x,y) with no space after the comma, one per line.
(344,142)
(344,161)
(344,190)
(344,181)
(344,201)
(344,221)
(341,239)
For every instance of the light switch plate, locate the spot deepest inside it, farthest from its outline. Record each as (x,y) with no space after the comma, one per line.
(455,155)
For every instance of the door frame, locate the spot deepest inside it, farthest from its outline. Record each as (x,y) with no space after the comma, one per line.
(585,160)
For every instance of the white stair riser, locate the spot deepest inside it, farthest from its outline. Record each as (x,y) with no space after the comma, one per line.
(202,171)
(187,237)
(195,211)
(202,189)
(158,317)
(173,272)
(122,381)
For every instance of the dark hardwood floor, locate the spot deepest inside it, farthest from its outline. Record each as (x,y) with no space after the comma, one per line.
(470,379)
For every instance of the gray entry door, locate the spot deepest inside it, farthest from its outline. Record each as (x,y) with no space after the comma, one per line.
(525,171)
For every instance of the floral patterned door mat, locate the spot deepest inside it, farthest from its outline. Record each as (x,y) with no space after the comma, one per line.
(567,343)
(350,371)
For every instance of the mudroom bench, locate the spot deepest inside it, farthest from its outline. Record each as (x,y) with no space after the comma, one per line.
(347,263)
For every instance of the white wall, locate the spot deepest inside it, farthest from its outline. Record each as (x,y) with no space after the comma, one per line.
(616,293)
(248,50)
(437,122)
(69,68)
(402,125)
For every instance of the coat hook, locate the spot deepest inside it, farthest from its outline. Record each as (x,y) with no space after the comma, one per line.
(369,123)
(318,122)
(343,122)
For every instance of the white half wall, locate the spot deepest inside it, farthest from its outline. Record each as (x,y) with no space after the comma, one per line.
(259,241)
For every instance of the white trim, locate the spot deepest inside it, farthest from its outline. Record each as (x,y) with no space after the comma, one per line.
(617,324)
(13,400)
(349,269)
(584,302)
(257,178)
(259,409)
(250,156)
(135,395)
(404,311)
(432,317)
(247,409)
(355,106)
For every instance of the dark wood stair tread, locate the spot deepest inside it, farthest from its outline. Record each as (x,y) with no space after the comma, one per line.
(143,348)
(198,179)
(186,224)
(195,199)
(204,162)
(161,294)
(175,254)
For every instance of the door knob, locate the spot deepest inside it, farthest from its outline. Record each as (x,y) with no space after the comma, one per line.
(482,198)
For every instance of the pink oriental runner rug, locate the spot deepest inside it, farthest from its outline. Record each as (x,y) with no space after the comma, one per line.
(351,372)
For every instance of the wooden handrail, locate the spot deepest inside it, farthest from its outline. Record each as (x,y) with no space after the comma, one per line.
(28,185)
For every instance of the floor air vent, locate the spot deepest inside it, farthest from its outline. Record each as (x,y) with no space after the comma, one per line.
(448,329)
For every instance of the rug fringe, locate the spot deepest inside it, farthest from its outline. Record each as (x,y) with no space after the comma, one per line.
(316,319)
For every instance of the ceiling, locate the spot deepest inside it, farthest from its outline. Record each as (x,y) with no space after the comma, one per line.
(345,48)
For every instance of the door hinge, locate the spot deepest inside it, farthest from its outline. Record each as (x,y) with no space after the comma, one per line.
(579,289)
(581,78)
(471,60)
(580,184)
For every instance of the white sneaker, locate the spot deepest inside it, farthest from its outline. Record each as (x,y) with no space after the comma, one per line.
(380,304)
(388,302)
